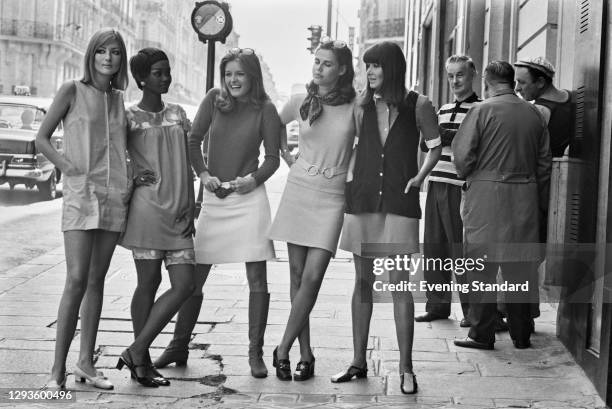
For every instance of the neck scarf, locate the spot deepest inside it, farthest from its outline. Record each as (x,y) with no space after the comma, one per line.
(312,107)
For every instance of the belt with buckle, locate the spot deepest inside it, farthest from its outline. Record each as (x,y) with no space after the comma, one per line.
(314,170)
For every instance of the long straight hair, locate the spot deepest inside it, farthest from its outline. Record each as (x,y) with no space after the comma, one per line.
(391,58)
(252,68)
(100,38)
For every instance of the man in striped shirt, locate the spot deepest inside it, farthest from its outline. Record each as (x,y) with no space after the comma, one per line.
(443,225)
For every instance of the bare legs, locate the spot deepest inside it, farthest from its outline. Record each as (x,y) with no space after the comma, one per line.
(162,310)
(308,266)
(88,255)
(361,312)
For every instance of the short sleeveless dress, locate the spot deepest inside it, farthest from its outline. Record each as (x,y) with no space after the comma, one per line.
(160,215)
(95,143)
(311,209)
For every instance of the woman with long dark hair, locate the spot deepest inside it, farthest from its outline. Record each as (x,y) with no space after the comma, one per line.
(235,214)
(96,193)
(311,210)
(382,196)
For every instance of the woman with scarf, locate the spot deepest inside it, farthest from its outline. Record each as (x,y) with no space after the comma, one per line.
(311,210)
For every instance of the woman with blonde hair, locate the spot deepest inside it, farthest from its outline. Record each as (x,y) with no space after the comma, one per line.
(96,193)
(235,215)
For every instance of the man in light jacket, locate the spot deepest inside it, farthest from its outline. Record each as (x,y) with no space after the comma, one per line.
(502,149)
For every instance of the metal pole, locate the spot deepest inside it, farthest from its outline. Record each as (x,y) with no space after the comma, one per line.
(210,66)
(329,17)
(337,17)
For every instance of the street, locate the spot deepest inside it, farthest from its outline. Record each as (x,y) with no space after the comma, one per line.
(217,374)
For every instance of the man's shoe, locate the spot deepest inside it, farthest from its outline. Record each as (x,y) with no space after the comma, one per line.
(501,325)
(428,317)
(468,342)
(521,344)
(465,323)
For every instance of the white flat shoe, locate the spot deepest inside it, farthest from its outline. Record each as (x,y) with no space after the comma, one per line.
(53,385)
(99,381)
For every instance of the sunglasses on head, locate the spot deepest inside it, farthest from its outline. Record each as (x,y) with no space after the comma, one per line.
(326,41)
(239,51)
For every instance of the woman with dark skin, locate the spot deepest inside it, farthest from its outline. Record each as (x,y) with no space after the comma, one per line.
(160,219)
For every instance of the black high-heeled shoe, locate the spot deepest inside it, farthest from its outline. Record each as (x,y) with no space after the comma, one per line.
(304,370)
(283,366)
(157,377)
(415,386)
(348,375)
(136,370)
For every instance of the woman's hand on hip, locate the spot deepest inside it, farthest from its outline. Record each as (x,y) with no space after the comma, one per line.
(211,183)
(145,178)
(243,185)
(414,182)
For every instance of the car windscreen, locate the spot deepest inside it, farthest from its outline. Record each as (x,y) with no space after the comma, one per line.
(20,116)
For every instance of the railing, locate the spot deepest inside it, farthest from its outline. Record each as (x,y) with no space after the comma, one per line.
(26,28)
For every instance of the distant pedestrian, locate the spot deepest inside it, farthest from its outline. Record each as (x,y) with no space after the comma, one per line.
(235,216)
(311,210)
(443,226)
(502,150)
(96,193)
(382,201)
(160,219)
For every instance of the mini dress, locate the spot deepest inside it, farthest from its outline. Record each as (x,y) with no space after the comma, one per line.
(95,143)
(160,214)
(311,209)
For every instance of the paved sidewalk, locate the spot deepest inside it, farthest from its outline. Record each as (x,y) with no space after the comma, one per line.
(544,376)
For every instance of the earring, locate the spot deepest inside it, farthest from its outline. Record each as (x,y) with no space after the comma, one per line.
(142,83)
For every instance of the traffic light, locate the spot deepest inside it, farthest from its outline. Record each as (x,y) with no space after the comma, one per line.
(315,37)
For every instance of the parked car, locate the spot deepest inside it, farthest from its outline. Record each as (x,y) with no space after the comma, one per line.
(293,130)
(20,161)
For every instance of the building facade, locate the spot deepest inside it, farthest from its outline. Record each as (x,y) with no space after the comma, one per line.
(42,43)
(576,36)
(379,20)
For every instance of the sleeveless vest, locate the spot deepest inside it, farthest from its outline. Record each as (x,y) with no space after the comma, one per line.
(382,172)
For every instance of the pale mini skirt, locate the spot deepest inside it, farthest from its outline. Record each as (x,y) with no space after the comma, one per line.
(394,234)
(234,229)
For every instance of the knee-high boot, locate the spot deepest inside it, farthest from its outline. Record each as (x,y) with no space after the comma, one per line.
(258,318)
(178,349)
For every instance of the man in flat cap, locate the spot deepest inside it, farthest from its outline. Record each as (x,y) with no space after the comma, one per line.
(534,78)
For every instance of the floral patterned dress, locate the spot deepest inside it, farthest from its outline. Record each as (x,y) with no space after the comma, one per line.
(160,215)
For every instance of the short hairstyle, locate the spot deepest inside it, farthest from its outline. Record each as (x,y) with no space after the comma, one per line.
(100,38)
(393,62)
(251,66)
(500,72)
(141,63)
(461,59)
(344,56)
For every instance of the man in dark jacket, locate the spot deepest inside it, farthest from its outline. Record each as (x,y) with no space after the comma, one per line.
(502,149)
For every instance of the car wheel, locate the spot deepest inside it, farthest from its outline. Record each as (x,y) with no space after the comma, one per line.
(47,189)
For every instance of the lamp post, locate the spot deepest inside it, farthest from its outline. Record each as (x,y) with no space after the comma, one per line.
(212,21)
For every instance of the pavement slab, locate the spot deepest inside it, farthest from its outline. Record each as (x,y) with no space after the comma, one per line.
(544,376)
